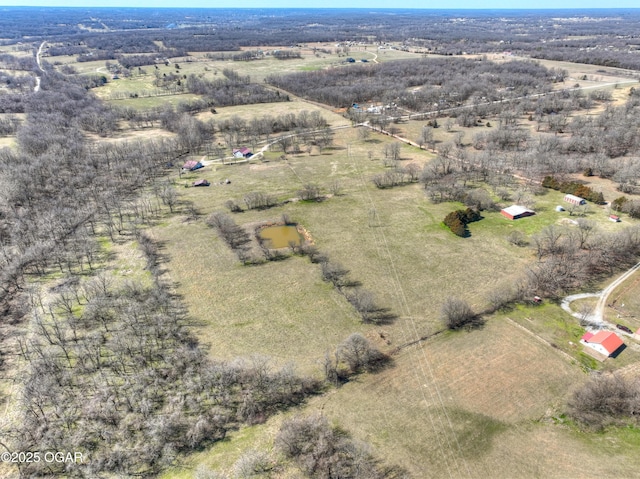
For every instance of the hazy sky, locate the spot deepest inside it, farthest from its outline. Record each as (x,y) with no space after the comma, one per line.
(510,4)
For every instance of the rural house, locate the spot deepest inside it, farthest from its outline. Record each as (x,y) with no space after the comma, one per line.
(575,200)
(515,212)
(192,165)
(242,152)
(604,342)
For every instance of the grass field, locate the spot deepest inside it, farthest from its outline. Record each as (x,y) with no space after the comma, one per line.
(247,112)
(7,142)
(463,404)
(472,417)
(624,304)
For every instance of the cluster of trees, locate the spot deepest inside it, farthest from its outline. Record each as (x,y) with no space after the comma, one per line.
(452,176)
(12,103)
(354,355)
(9,125)
(236,237)
(13,62)
(458,220)
(400,175)
(311,446)
(362,300)
(456,314)
(606,399)
(625,205)
(322,451)
(574,188)
(286,54)
(569,258)
(232,90)
(309,127)
(420,84)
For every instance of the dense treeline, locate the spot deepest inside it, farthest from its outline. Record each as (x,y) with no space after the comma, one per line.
(57,189)
(574,188)
(570,258)
(596,53)
(604,37)
(234,90)
(13,62)
(420,84)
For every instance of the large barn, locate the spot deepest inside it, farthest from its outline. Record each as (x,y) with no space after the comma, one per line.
(515,212)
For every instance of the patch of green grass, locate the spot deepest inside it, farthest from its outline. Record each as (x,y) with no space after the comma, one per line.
(476,432)
(587,362)
(223,454)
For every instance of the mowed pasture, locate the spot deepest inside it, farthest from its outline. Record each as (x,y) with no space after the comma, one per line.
(454,402)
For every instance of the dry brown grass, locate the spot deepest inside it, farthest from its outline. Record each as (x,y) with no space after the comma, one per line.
(8,142)
(247,112)
(624,304)
(460,404)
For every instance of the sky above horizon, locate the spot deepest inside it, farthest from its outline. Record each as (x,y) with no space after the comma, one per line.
(452,4)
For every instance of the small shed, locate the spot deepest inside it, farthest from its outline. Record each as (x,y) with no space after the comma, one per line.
(516,212)
(604,342)
(192,165)
(559,209)
(201,183)
(575,200)
(614,218)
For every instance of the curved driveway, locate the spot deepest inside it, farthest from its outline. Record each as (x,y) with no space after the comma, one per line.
(597,315)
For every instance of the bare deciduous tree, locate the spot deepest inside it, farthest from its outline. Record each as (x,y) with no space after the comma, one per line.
(456,313)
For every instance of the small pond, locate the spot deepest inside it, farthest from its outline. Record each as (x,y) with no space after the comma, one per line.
(275,237)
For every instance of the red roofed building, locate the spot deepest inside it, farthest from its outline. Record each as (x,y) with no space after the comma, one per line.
(604,342)
(242,152)
(516,212)
(586,337)
(192,165)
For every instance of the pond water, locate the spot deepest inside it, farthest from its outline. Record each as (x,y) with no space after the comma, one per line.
(276,237)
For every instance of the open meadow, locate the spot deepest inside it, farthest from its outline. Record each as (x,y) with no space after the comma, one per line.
(464,403)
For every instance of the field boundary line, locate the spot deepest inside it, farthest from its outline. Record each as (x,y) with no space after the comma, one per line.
(542,340)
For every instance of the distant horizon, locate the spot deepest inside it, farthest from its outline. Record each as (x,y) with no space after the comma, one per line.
(328,5)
